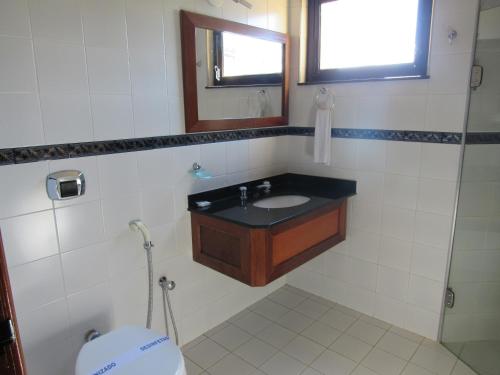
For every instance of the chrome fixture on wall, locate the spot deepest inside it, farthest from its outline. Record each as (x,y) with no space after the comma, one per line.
(64,185)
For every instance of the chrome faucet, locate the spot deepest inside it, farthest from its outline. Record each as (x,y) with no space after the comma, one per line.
(243,195)
(266,185)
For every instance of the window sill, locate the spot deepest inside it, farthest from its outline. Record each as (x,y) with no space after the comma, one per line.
(308,83)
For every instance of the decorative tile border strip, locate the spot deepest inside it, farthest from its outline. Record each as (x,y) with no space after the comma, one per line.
(485,138)
(74,150)
(387,135)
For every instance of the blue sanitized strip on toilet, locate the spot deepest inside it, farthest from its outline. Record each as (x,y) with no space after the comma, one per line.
(129,356)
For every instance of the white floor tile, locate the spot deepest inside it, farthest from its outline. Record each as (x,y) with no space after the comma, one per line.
(252,323)
(435,359)
(276,335)
(397,345)
(321,333)
(412,369)
(206,353)
(231,337)
(383,363)
(270,309)
(331,363)
(366,332)
(231,365)
(192,368)
(311,309)
(286,298)
(351,347)
(338,320)
(303,349)
(255,352)
(294,321)
(281,364)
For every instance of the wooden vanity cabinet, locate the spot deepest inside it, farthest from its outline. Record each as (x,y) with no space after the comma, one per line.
(257,256)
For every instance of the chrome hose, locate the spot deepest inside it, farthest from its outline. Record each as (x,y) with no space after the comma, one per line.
(149,253)
(166,286)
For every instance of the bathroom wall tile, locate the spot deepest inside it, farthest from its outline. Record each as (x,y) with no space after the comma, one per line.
(371,155)
(41,242)
(440,161)
(395,253)
(157,206)
(148,70)
(403,158)
(59,19)
(390,310)
(79,225)
(66,118)
(364,245)
(214,158)
(400,191)
(104,23)
(235,12)
(446,113)
(153,168)
(151,115)
(118,210)
(17,62)
(432,229)
(425,293)
(85,267)
(20,120)
(257,16)
(144,23)
(108,70)
(398,223)
(407,112)
(14,18)
(449,73)
(28,193)
(90,309)
(429,262)
(277,20)
(47,324)
(369,186)
(113,116)
(237,157)
(30,292)
(436,196)
(393,283)
(60,67)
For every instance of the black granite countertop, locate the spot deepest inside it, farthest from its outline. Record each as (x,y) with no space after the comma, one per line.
(226,203)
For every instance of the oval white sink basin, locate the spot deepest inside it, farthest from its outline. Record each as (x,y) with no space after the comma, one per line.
(282,201)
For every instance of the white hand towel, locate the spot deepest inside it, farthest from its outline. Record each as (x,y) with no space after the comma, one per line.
(323,131)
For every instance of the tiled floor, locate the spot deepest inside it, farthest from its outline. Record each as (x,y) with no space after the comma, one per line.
(292,332)
(483,356)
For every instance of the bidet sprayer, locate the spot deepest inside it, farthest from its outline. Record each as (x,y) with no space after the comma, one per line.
(138,225)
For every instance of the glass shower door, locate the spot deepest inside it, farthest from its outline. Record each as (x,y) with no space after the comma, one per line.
(471,328)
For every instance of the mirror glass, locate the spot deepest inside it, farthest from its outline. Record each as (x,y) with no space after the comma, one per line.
(238,76)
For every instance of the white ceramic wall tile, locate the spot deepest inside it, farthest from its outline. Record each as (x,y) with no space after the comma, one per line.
(395,253)
(118,210)
(40,243)
(14,18)
(237,156)
(400,191)
(398,223)
(85,267)
(80,225)
(151,115)
(66,117)
(118,174)
(446,112)
(20,120)
(432,229)
(440,161)
(403,158)
(31,292)
(28,193)
(112,116)
(148,70)
(158,206)
(144,23)
(393,283)
(108,70)
(154,168)
(104,23)
(59,19)
(60,67)
(214,158)
(17,73)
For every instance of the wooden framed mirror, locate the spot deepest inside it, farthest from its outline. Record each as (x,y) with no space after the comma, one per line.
(235,76)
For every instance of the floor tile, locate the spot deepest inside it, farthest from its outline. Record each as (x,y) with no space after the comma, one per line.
(311,308)
(240,315)
(361,370)
(406,334)
(397,345)
(192,368)
(331,363)
(216,329)
(461,369)
(337,320)
(281,364)
(298,291)
(366,332)
(303,349)
(323,301)
(435,359)
(374,321)
(311,371)
(412,369)
(270,309)
(295,321)
(383,363)
(206,353)
(231,337)
(255,352)
(276,335)
(286,298)
(321,333)
(194,342)
(252,323)
(348,311)
(231,365)
(351,347)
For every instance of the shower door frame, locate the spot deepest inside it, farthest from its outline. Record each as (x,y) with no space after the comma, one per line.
(459,179)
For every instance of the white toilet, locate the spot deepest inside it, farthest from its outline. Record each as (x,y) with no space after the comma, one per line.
(130,351)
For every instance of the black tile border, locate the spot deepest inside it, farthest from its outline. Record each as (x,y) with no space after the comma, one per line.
(74,150)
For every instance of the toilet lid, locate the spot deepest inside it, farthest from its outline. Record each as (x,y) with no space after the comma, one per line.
(130,350)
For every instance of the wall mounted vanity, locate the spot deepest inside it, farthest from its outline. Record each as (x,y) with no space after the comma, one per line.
(235,234)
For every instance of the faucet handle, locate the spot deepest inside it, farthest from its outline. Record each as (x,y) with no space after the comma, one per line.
(243,191)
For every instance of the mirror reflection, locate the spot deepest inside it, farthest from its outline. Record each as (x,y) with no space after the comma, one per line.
(238,76)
